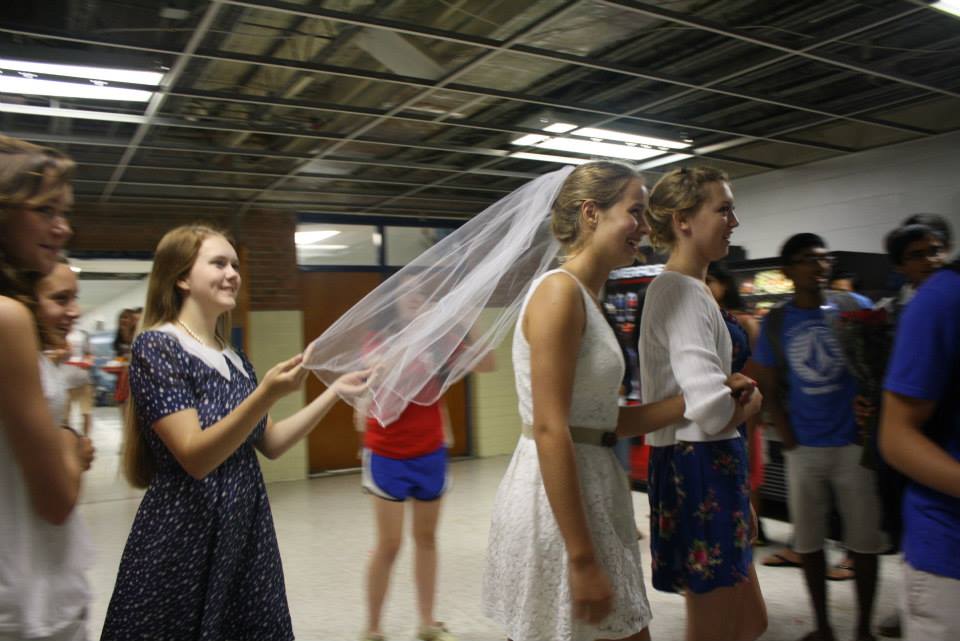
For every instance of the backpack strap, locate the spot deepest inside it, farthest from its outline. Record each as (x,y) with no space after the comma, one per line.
(774,321)
(843,301)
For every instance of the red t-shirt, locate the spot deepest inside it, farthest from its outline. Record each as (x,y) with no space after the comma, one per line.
(418,431)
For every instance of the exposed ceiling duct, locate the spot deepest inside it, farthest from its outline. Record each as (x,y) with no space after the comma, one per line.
(414,106)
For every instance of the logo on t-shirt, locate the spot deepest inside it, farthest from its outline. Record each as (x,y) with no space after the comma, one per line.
(815,357)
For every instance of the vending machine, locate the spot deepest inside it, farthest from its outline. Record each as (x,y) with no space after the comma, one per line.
(623,305)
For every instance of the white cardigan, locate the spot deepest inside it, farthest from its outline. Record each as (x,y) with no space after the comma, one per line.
(685,348)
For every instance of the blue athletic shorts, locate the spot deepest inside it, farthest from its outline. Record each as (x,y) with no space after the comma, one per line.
(423,478)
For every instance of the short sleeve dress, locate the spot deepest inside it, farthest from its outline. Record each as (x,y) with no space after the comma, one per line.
(201,561)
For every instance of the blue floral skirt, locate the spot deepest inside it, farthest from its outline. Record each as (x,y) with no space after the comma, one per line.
(699,515)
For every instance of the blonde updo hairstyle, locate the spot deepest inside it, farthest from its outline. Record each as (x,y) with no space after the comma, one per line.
(603,182)
(680,192)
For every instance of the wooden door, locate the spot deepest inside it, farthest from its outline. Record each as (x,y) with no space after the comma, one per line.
(333,445)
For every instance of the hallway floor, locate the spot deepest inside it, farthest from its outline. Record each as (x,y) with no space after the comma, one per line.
(325,531)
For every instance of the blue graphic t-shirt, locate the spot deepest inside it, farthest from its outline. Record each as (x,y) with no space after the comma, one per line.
(820,388)
(924,366)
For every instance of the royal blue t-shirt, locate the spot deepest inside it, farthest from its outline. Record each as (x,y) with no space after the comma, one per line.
(820,387)
(923,366)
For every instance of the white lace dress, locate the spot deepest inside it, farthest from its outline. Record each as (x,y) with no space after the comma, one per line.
(525,587)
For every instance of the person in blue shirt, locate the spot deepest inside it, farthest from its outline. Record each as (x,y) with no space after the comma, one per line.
(810,395)
(920,436)
(849,282)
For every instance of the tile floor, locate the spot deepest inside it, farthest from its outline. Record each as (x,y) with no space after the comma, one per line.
(325,530)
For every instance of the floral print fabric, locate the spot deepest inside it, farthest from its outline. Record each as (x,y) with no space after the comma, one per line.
(700,515)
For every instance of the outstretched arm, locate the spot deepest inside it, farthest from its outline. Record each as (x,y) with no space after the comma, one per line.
(649,417)
(200,451)
(282,435)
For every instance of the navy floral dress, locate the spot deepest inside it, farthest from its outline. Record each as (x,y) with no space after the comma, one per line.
(700,506)
(201,561)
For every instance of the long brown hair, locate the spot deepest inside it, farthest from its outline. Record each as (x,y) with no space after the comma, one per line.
(176,253)
(23,169)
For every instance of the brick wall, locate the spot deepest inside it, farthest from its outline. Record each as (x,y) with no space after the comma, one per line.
(267,236)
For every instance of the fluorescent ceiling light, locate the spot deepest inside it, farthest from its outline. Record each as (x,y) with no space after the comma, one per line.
(593,148)
(531,139)
(329,247)
(948,6)
(88,73)
(81,114)
(325,167)
(566,160)
(312,237)
(609,134)
(636,147)
(663,160)
(75,269)
(35,87)
(560,128)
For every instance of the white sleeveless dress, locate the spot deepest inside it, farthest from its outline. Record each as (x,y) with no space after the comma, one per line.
(43,585)
(525,586)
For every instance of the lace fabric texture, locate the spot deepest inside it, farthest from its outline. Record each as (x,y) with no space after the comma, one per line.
(526,585)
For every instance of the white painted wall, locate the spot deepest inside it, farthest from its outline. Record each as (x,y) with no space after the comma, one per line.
(125,294)
(852,201)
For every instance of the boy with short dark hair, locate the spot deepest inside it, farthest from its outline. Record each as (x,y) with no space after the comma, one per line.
(810,396)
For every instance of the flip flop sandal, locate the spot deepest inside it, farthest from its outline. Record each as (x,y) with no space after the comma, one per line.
(842,571)
(778,560)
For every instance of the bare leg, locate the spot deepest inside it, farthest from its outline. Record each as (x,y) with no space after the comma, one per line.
(815,575)
(866,583)
(389,517)
(425,517)
(736,613)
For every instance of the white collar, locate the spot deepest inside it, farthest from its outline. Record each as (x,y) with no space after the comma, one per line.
(216,359)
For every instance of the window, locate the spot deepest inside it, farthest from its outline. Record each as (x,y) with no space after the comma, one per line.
(337,244)
(406,243)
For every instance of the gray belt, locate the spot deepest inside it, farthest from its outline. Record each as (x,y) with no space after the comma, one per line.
(583,435)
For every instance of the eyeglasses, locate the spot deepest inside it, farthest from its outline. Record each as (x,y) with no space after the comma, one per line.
(50,213)
(813,259)
(933,251)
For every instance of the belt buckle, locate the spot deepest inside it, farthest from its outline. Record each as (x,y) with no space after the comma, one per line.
(609,439)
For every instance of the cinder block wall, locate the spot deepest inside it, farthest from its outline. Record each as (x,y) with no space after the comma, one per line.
(852,201)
